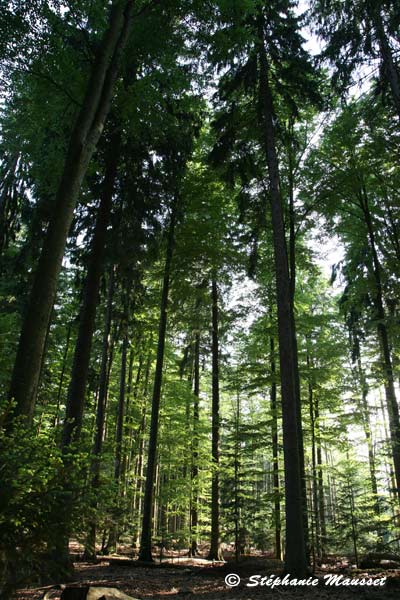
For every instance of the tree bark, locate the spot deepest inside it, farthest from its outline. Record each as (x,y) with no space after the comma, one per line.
(292,273)
(6,196)
(321,498)
(236,471)
(295,555)
(85,135)
(316,550)
(145,543)
(215,547)
(275,454)
(194,517)
(113,539)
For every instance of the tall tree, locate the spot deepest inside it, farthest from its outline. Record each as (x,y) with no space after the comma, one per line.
(84,137)
(273,66)
(215,545)
(145,542)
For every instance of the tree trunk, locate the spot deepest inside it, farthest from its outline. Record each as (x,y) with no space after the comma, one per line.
(87,317)
(113,539)
(321,499)
(295,555)
(236,471)
(275,454)
(316,550)
(6,205)
(145,543)
(85,135)
(128,438)
(121,409)
(194,519)
(292,272)
(215,549)
(90,551)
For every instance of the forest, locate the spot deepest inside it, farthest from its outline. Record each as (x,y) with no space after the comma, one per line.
(199,291)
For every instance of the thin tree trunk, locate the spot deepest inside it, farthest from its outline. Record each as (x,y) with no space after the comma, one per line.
(61,381)
(295,555)
(85,135)
(316,546)
(321,498)
(145,543)
(275,454)
(90,546)
(128,439)
(6,196)
(194,518)
(236,467)
(352,518)
(121,410)
(215,548)
(113,539)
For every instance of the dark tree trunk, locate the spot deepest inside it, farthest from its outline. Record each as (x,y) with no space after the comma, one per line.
(295,555)
(354,536)
(316,550)
(236,471)
(145,543)
(128,439)
(292,271)
(275,454)
(7,206)
(321,495)
(85,135)
(215,548)
(113,539)
(87,317)
(120,415)
(100,416)
(194,518)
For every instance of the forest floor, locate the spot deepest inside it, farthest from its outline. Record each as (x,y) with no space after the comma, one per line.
(179,578)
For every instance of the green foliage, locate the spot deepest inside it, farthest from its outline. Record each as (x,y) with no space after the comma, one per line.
(31,480)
